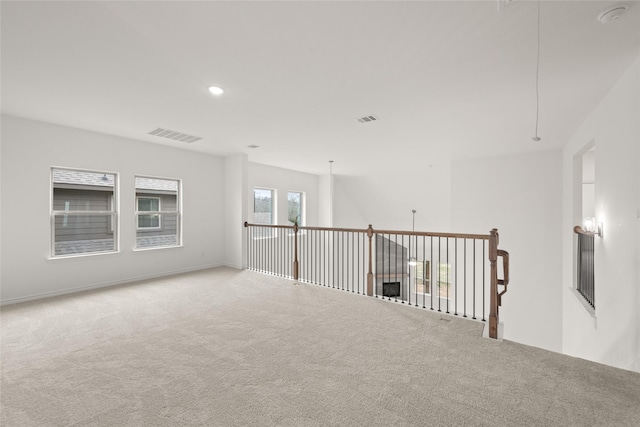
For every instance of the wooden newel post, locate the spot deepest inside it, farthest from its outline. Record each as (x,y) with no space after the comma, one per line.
(295,251)
(370,273)
(493,301)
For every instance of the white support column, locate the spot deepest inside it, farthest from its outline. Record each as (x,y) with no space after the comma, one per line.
(235,202)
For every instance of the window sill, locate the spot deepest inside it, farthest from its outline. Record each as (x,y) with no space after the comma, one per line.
(590,310)
(84,255)
(153,248)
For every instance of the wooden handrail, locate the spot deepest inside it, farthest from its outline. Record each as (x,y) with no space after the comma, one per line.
(505,274)
(434,234)
(579,230)
(246,224)
(347,230)
(366,230)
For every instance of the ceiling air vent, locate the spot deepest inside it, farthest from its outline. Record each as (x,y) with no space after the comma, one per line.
(367,119)
(504,3)
(176,136)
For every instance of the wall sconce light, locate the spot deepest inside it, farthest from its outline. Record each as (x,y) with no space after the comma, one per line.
(591,225)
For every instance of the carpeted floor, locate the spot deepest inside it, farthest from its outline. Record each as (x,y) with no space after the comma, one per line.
(234,348)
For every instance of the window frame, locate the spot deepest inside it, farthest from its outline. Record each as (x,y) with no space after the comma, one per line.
(433,282)
(157,213)
(260,234)
(423,280)
(112,215)
(302,213)
(178,212)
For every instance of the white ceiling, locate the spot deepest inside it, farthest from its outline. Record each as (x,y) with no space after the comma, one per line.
(445,78)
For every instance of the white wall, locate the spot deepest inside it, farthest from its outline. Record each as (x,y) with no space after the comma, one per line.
(30,148)
(520,196)
(588,184)
(283,181)
(326,200)
(386,196)
(235,198)
(611,337)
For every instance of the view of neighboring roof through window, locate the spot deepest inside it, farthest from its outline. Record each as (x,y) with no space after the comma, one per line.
(158,222)
(83,212)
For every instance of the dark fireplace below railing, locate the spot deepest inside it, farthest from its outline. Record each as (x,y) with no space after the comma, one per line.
(391,289)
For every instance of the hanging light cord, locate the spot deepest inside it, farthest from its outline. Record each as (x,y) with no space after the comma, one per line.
(536,137)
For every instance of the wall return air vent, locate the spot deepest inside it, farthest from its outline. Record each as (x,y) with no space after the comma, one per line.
(172,134)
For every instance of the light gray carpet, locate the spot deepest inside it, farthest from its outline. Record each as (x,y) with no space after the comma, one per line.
(228,348)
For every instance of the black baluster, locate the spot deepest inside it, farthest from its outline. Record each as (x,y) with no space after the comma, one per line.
(424,272)
(484,264)
(448,284)
(403,264)
(465,280)
(431,272)
(456,275)
(474,279)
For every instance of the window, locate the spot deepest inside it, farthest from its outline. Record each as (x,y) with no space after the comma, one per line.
(444,280)
(585,249)
(423,277)
(295,211)
(263,206)
(148,204)
(158,222)
(84,214)
(263,212)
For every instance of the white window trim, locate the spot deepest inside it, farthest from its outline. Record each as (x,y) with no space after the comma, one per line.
(434,280)
(303,207)
(114,213)
(274,211)
(179,212)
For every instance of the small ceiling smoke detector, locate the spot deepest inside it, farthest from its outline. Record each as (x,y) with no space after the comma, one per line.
(367,119)
(612,13)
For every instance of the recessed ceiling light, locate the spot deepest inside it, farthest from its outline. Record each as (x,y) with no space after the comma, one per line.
(215,90)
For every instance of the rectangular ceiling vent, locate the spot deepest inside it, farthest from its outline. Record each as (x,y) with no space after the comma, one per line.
(367,119)
(176,136)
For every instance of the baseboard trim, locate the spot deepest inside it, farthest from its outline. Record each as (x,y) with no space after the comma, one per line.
(485,331)
(128,280)
(234,266)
